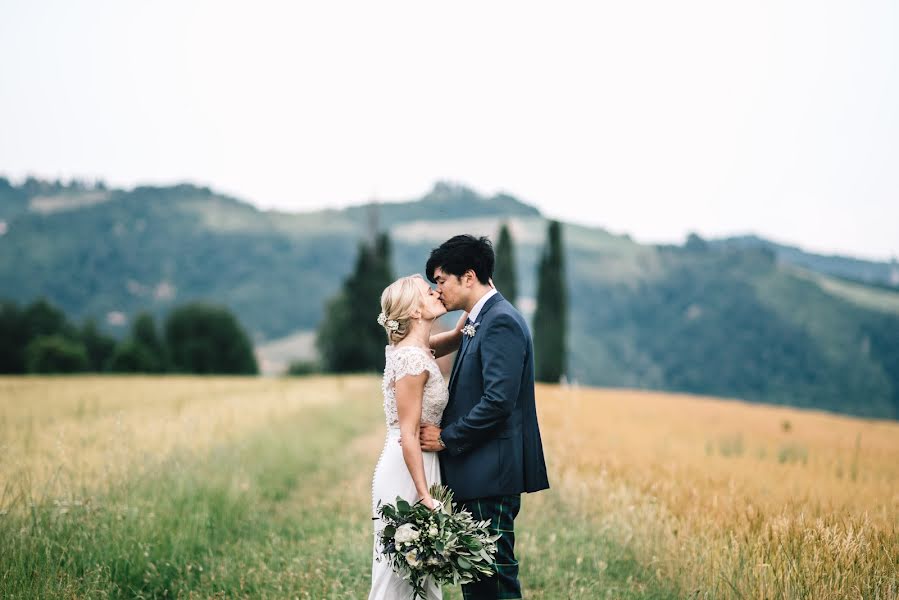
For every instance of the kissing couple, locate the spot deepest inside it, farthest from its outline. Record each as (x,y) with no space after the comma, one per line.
(478,435)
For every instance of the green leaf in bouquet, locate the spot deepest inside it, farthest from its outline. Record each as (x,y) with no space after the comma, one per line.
(463,563)
(390,531)
(471,543)
(402,506)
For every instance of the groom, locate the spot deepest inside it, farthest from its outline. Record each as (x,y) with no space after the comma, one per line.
(490,442)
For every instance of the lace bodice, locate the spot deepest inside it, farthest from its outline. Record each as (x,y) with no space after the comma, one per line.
(413,360)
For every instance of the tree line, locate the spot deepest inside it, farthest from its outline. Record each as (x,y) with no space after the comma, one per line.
(203,338)
(350,340)
(195,338)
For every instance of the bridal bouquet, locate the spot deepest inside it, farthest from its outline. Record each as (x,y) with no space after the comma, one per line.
(449,546)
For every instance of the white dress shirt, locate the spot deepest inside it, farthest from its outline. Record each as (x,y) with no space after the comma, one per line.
(476,310)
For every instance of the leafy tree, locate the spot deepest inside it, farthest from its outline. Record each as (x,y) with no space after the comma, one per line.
(203,338)
(55,354)
(143,351)
(349,338)
(303,367)
(144,333)
(99,347)
(551,315)
(42,318)
(131,356)
(504,274)
(13,338)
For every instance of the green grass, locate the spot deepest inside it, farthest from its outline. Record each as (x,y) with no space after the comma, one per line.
(283,513)
(564,554)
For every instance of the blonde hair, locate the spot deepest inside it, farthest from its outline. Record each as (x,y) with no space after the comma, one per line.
(398,301)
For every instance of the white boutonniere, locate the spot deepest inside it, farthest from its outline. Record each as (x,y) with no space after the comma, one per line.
(470,329)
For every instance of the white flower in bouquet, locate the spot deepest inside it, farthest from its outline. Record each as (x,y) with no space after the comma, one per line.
(446,545)
(406,533)
(412,558)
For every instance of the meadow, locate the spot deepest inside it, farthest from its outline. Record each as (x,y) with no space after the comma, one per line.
(191,487)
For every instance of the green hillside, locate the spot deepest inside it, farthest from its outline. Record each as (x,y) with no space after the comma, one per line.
(870,272)
(736,324)
(729,319)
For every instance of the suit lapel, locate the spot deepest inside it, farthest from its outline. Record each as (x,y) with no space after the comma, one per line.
(467,341)
(458,362)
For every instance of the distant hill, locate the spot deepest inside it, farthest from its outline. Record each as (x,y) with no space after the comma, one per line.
(741,317)
(855,269)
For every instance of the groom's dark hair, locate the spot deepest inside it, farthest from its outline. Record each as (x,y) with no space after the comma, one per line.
(461,253)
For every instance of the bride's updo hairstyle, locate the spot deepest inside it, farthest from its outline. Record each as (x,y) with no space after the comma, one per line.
(399,301)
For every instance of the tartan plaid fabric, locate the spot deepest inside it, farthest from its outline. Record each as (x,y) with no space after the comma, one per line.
(501,512)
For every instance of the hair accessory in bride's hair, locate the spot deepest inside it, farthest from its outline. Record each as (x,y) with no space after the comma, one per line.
(390,324)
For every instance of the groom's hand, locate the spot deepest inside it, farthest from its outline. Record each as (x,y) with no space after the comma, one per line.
(428,436)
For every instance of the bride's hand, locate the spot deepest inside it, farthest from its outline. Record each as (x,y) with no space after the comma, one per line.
(431,503)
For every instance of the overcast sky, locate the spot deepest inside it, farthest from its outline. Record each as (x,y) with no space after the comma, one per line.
(653,118)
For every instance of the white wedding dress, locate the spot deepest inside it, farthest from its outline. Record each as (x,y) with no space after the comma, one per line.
(391,477)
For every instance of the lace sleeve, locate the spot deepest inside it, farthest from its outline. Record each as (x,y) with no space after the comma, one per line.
(408,361)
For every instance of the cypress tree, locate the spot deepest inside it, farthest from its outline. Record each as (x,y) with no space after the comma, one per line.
(349,338)
(504,274)
(551,315)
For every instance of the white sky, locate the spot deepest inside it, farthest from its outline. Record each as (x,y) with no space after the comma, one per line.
(652,118)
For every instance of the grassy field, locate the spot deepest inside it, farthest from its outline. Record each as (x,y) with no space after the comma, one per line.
(259,488)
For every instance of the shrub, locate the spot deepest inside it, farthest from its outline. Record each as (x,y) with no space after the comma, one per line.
(55,354)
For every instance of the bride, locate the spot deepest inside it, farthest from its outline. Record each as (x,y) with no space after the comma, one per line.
(414,393)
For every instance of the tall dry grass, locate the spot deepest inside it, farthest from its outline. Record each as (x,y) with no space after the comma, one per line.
(206,487)
(69,436)
(731,499)
(239,487)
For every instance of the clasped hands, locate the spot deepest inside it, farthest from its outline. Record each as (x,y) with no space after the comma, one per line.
(427,437)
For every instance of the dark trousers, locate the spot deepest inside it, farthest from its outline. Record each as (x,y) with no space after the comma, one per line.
(501,512)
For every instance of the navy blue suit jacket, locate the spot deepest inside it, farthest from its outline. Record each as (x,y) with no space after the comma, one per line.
(493,445)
